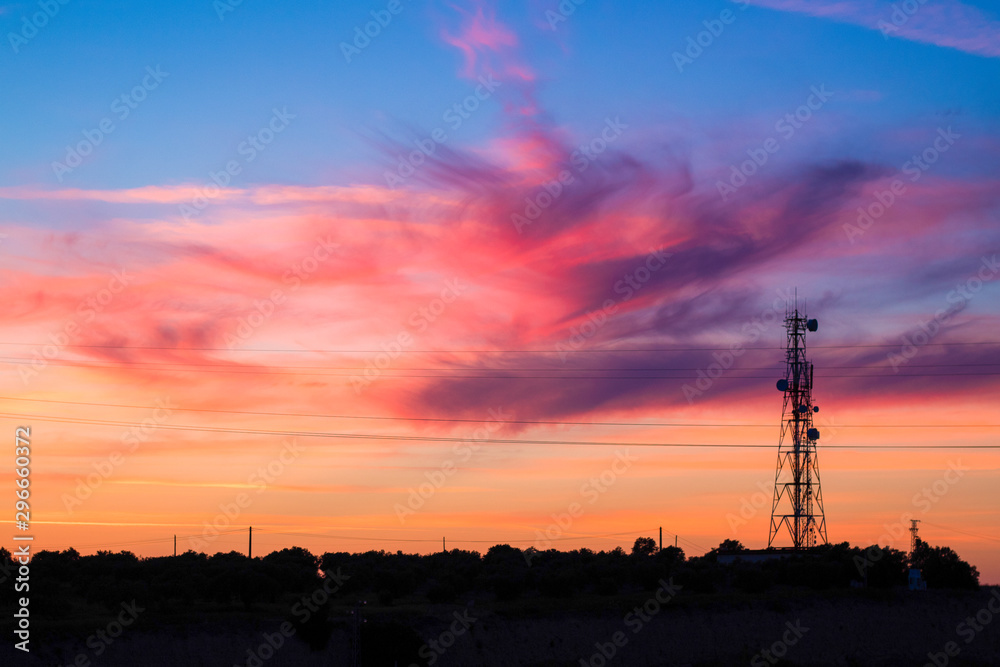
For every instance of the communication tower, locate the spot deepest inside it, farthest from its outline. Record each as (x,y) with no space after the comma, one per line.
(798,500)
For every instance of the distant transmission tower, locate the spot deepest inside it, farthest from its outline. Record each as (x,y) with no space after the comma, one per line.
(798,500)
(913,536)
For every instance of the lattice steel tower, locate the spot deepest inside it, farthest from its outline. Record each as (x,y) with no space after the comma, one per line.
(914,538)
(798,499)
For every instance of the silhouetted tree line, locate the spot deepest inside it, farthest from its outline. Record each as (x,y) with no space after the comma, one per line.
(841,565)
(61,579)
(942,568)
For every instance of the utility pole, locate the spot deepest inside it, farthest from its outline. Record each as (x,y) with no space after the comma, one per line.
(175,545)
(661,538)
(444,548)
(250,544)
(913,537)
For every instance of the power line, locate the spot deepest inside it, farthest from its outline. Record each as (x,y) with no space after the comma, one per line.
(955,530)
(395,376)
(149,541)
(435,540)
(240,531)
(451,369)
(348,537)
(504,351)
(480,421)
(505,441)
(237,532)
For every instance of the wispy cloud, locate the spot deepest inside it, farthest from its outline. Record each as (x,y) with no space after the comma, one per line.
(947,23)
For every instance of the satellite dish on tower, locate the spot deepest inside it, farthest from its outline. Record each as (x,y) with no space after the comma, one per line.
(813,434)
(782,385)
(812,325)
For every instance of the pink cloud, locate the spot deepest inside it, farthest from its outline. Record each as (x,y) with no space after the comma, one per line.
(482,35)
(152,194)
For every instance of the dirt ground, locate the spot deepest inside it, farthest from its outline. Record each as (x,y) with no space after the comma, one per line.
(855,628)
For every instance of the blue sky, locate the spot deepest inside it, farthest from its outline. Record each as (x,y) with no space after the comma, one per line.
(694,162)
(225,76)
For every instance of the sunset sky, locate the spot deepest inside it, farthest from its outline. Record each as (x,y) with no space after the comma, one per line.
(259,262)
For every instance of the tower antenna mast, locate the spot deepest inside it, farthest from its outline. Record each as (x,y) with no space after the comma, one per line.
(797,507)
